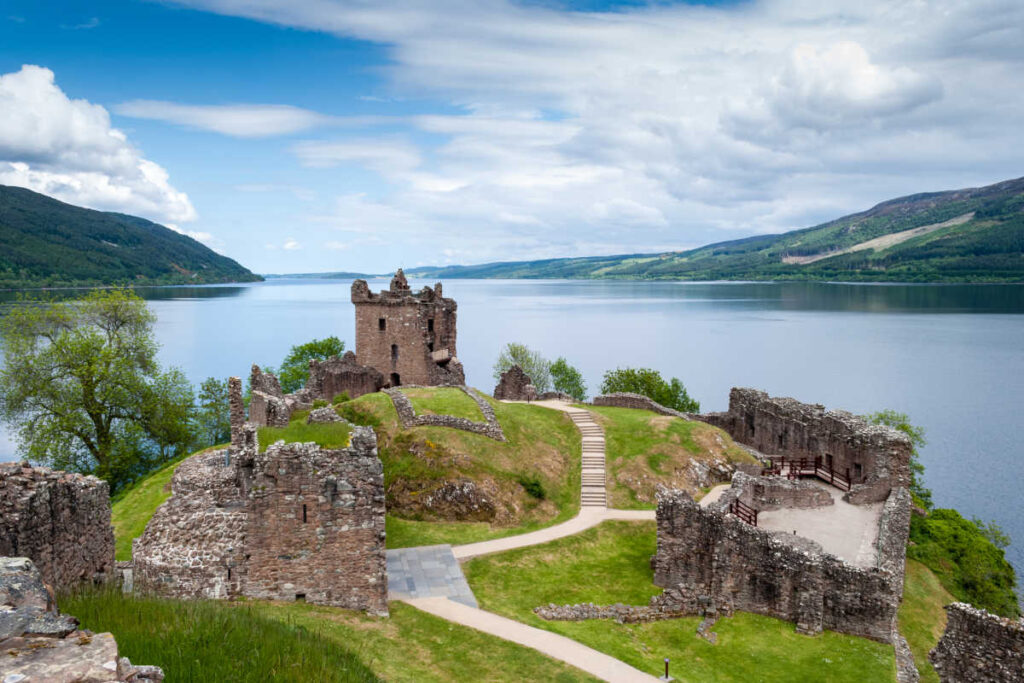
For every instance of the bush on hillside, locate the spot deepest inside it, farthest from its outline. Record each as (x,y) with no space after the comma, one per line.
(649,383)
(568,379)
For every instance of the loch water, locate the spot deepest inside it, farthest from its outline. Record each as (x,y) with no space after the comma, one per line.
(950,356)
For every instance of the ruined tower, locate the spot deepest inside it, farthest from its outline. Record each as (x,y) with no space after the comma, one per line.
(408,337)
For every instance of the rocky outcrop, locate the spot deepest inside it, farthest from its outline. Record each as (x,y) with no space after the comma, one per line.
(515,385)
(61,521)
(875,458)
(37,643)
(979,646)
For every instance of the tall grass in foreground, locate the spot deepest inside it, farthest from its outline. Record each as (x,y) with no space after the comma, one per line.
(213,641)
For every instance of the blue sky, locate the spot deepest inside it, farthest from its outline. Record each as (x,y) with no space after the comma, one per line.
(327,135)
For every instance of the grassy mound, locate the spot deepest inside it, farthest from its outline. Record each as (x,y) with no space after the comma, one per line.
(259,641)
(532,480)
(444,401)
(922,617)
(611,563)
(132,509)
(645,449)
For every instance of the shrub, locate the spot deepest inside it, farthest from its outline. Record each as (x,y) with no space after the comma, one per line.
(649,383)
(532,485)
(343,397)
(568,379)
(319,403)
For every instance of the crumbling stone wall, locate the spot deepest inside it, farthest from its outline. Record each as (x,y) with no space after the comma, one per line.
(295,522)
(267,405)
(408,417)
(408,337)
(61,521)
(713,561)
(515,385)
(877,457)
(638,402)
(776,493)
(37,643)
(979,646)
(335,376)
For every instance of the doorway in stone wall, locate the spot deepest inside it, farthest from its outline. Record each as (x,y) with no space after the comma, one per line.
(395,379)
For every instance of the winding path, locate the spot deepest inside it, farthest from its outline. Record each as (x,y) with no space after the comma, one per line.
(423,577)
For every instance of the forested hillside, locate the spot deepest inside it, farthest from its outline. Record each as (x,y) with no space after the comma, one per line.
(47,243)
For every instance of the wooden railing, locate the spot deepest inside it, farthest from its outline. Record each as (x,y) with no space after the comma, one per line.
(795,468)
(744,512)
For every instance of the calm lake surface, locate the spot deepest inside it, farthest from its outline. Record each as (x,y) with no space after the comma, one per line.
(950,356)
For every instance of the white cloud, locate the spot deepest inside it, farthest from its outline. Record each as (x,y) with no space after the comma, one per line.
(667,124)
(291,244)
(237,120)
(67,149)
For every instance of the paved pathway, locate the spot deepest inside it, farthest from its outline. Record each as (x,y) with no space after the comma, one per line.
(425,572)
(553,645)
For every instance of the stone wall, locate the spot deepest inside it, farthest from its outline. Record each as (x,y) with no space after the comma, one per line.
(37,643)
(775,493)
(713,561)
(979,646)
(335,376)
(515,385)
(61,521)
(408,417)
(876,457)
(410,338)
(267,404)
(295,522)
(638,402)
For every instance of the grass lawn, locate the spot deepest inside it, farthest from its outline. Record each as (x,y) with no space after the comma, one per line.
(922,617)
(444,401)
(260,641)
(542,444)
(326,434)
(644,449)
(132,509)
(611,563)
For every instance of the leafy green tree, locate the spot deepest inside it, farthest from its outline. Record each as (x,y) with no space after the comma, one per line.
(650,383)
(568,379)
(901,421)
(81,387)
(213,419)
(294,369)
(532,363)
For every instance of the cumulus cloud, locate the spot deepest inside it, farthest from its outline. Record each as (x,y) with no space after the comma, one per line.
(670,124)
(237,120)
(67,149)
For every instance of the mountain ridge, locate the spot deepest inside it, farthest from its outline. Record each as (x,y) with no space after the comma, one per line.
(45,242)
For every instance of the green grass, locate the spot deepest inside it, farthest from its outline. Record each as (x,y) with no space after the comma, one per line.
(326,434)
(644,448)
(611,563)
(132,509)
(922,617)
(444,401)
(542,445)
(260,641)
(210,641)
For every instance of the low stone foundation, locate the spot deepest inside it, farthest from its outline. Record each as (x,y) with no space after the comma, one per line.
(37,643)
(409,419)
(979,646)
(776,493)
(59,520)
(638,402)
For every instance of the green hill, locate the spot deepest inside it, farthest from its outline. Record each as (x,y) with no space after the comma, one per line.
(47,243)
(970,235)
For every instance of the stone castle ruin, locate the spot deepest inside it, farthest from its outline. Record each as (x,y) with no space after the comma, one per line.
(408,337)
(59,520)
(293,521)
(979,647)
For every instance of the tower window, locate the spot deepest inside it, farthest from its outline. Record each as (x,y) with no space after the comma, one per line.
(304,517)
(394,352)
(430,324)
(382,324)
